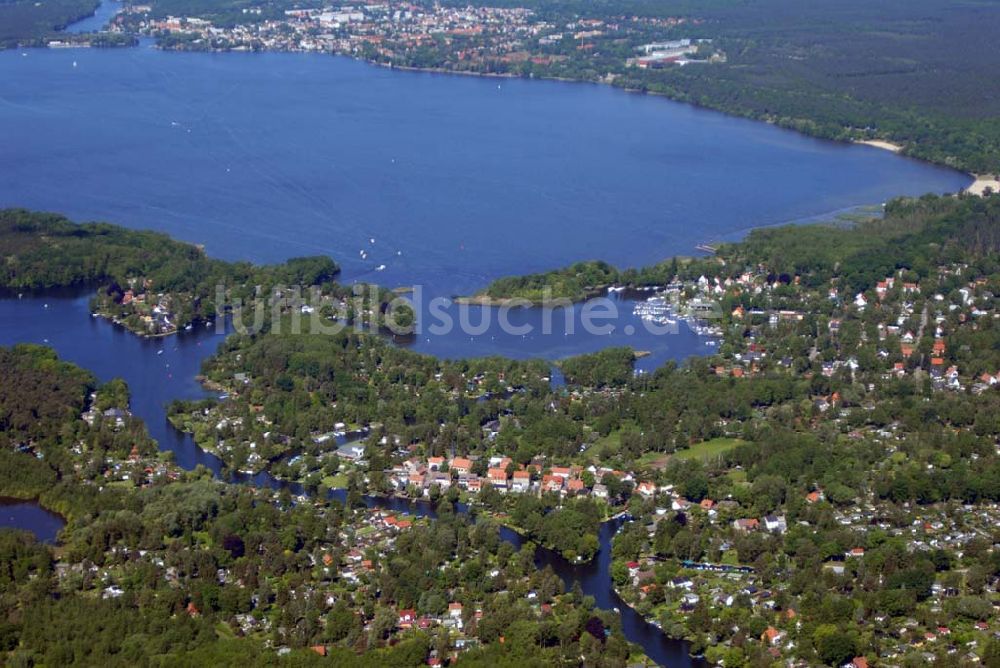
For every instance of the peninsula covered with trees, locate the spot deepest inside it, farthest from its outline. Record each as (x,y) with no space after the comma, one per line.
(154,285)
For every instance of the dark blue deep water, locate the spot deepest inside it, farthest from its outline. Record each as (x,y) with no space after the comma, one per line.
(29,516)
(458,179)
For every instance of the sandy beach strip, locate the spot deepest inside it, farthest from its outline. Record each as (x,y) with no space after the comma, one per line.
(878,143)
(982,182)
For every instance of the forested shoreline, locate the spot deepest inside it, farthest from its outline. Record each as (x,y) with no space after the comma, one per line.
(154,285)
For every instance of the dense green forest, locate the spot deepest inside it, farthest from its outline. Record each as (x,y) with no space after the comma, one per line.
(48,394)
(611,367)
(914,234)
(48,250)
(29,23)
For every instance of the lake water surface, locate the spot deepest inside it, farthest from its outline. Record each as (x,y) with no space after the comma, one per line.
(100,19)
(459,180)
(29,516)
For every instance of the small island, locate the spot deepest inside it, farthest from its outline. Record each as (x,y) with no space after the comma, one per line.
(574,283)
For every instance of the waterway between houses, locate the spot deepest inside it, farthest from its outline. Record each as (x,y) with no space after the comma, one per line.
(63,322)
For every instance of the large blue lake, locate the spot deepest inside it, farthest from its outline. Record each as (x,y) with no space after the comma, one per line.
(458,179)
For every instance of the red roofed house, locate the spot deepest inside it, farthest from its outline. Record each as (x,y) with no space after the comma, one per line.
(773,635)
(647,489)
(407,618)
(498,477)
(461,465)
(552,483)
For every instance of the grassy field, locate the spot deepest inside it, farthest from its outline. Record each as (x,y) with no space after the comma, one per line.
(704,451)
(612,440)
(653,460)
(338,481)
(709,449)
